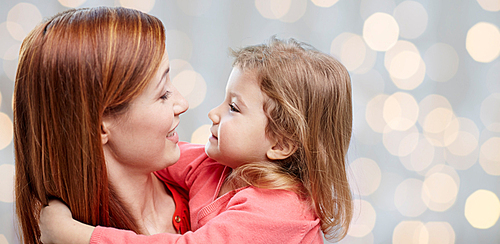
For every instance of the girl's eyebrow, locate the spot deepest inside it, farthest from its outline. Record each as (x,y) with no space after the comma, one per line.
(239,98)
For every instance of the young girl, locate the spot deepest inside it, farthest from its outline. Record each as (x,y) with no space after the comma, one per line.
(275,171)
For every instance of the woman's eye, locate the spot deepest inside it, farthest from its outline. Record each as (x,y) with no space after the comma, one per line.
(233,108)
(166,95)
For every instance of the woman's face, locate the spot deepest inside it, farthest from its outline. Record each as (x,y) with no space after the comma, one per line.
(144,137)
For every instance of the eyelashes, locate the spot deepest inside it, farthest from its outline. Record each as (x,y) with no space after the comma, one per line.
(166,95)
(233,108)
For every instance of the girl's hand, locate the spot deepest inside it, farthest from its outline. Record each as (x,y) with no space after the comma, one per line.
(58,226)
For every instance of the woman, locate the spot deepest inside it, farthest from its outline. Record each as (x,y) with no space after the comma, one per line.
(94,115)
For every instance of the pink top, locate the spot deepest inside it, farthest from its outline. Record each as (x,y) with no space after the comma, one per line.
(245,215)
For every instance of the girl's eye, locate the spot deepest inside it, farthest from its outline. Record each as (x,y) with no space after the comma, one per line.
(233,108)
(166,95)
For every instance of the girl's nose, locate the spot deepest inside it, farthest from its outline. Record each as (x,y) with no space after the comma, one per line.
(214,116)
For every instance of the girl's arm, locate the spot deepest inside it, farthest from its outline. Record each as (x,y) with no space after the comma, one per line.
(58,226)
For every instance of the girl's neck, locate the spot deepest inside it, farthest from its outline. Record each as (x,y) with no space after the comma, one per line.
(145,197)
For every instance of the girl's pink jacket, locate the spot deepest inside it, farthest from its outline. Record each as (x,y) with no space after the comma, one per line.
(245,215)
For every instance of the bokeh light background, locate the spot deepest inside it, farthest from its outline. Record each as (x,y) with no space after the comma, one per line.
(425,155)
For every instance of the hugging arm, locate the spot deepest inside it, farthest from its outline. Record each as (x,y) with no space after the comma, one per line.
(58,226)
(252,216)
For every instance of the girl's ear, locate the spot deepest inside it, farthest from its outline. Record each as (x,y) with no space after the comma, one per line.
(281,150)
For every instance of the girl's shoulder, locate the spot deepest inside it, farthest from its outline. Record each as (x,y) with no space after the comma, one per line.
(274,202)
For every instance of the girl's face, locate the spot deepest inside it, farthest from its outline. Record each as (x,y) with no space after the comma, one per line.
(239,123)
(144,137)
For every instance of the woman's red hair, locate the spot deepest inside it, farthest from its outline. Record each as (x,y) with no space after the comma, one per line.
(75,68)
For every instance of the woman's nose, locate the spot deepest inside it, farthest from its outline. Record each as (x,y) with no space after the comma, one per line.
(181,105)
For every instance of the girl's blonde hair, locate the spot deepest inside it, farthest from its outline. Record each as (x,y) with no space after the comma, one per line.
(308,108)
(74,69)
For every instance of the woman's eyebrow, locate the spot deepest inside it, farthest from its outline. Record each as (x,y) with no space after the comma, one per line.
(163,76)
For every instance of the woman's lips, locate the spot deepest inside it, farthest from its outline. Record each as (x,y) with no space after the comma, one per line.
(173,136)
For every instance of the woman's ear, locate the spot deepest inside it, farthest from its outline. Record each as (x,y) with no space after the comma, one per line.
(281,150)
(104,132)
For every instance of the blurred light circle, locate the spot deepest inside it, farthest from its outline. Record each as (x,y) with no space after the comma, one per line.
(366,176)
(6,130)
(366,86)
(440,233)
(6,42)
(353,52)
(463,152)
(413,81)
(369,7)
(194,7)
(144,5)
(179,45)
(296,11)
(464,144)
(201,135)
(338,43)
(412,19)
(482,209)
(400,111)
(462,162)
(364,217)
(364,58)
(404,65)
(3,240)
(192,86)
(179,65)
(16,30)
(438,120)
(7,183)
(492,78)
(324,3)
(380,31)
(399,47)
(375,113)
(410,232)
(441,61)
(421,157)
(368,63)
(13,52)
(273,9)
(21,19)
(414,72)
(490,5)
(434,117)
(445,169)
(490,112)
(400,143)
(408,199)
(489,156)
(483,42)
(439,188)
(71,3)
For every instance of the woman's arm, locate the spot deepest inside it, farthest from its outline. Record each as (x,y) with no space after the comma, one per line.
(58,226)
(254,217)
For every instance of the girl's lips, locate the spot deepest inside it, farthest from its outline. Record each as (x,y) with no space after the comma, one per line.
(212,137)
